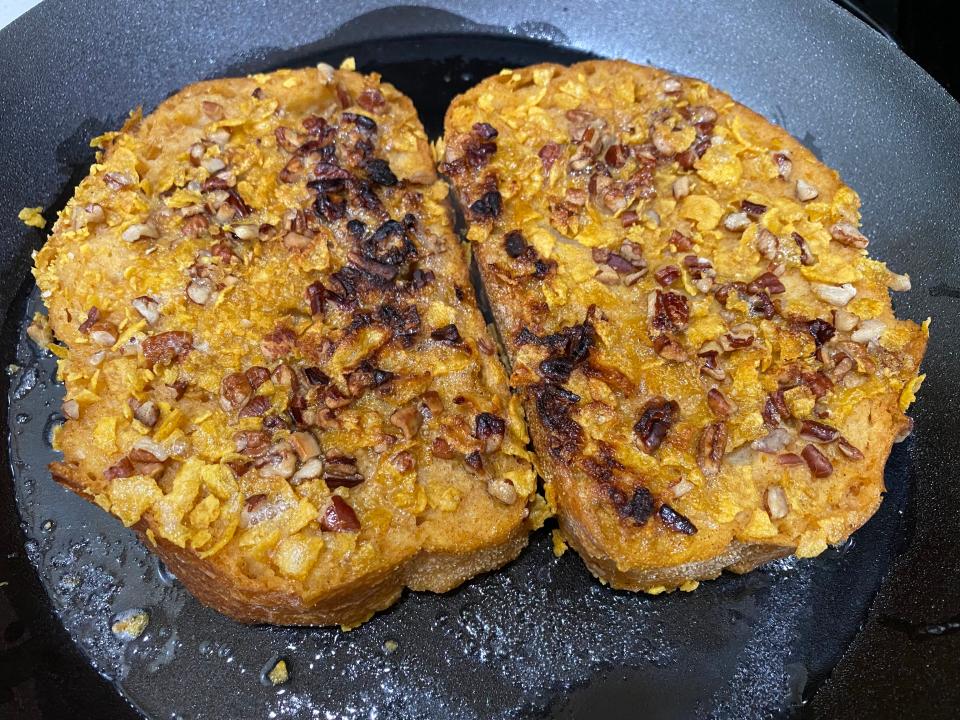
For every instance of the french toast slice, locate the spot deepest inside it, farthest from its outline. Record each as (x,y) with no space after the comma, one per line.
(711,370)
(275,368)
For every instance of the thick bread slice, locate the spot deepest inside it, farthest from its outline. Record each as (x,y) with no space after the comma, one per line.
(275,367)
(712,372)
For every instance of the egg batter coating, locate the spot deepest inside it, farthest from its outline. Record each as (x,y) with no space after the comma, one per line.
(711,369)
(275,368)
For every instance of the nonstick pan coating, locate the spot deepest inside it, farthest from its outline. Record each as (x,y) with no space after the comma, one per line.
(866,629)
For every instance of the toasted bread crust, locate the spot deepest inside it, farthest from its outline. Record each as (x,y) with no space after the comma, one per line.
(636,236)
(276,371)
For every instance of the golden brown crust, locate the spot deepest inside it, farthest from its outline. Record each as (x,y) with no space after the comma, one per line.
(275,367)
(636,234)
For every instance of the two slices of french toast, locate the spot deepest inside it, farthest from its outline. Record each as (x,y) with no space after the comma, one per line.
(276,371)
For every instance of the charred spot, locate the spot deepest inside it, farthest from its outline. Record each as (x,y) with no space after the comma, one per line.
(345,286)
(421,278)
(556,369)
(330,207)
(402,320)
(515,244)
(490,205)
(328,176)
(554,404)
(379,172)
(487,425)
(367,376)
(316,376)
(676,521)
(542,268)
(365,197)
(821,331)
(389,244)
(637,507)
(357,229)
(447,334)
(364,123)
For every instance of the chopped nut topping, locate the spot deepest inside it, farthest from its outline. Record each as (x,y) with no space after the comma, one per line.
(490,430)
(776,500)
(784,164)
(710,450)
(341,471)
(773,442)
(898,283)
(735,222)
(200,290)
(768,245)
(718,403)
(138,231)
(847,234)
(167,347)
(146,412)
(806,191)
(655,421)
(676,521)
(503,490)
(837,296)
(339,517)
(235,391)
(849,451)
(103,333)
(868,331)
(408,420)
(806,254)
(305,445)
(818,432)
(148,308)
(818,463)
(70,409)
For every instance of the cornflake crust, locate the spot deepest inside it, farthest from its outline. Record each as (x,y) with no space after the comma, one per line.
(275,368)
(709,361)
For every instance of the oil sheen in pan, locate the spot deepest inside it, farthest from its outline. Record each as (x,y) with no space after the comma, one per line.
(539,637)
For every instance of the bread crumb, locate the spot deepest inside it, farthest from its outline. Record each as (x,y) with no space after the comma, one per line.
(559,543)
(130,624)
(32,216)
(279,674)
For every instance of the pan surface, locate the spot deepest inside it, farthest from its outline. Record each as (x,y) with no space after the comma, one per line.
(867,629)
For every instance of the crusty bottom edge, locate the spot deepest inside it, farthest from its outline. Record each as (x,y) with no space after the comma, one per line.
(738,557)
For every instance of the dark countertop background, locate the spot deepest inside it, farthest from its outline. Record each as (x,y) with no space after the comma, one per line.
(924,29)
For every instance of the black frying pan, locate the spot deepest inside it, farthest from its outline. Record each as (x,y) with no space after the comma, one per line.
(866,630)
